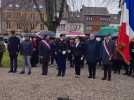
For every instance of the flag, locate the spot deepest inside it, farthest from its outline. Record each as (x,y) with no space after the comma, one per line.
(126,30)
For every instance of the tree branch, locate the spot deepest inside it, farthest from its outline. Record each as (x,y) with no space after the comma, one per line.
(39,11)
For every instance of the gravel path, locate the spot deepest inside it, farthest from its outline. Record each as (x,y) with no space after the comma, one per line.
(38,87)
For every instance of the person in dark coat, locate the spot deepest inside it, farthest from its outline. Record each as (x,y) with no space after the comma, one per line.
(13,49)
(44,53)
(26,50)
(92,55)
(78,56)
(107,54)
(61,53)
(132,57)
(70,52)
(35,52)
(52,44)
(117,60)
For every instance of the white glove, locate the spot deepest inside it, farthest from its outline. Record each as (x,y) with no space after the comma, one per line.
(63,52)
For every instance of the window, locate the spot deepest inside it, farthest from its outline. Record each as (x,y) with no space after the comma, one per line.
(40,6)
(10,5)
(42,26)
(88,28)
(18,26)
(8,25)
(17,6)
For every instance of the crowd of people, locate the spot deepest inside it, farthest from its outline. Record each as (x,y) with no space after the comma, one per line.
(78,51)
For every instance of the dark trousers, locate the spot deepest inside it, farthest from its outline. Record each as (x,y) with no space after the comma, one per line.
(45,63)
(131,71)
(34,59)
(116,66)
(107,71)
(92,69)
(77,65)
(52,59)
(61,61)
(13,63)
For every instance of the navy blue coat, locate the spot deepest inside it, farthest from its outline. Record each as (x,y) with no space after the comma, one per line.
(26,47)
(61,46)
(91,48)
(13,45)
(44,51)
(105,57)
(78,51)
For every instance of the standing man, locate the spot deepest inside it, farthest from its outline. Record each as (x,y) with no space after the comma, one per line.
(91,55)
(61,53)
(44,53)
(26,48)
(107,55)
(13,49)
(78,56)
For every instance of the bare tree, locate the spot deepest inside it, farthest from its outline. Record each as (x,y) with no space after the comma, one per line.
(54,13)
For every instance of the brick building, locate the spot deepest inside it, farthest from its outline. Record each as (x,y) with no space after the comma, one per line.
(94,17)
(22,15)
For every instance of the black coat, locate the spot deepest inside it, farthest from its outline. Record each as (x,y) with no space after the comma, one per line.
(78,51)
(61,47)
(105,57)
(91,51)
(13,45)
(44,51)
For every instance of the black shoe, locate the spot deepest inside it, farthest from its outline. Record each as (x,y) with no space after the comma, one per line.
(103,78)
(22,72)
(63,75)
(94,77)
(44,74)
(90,77)
(14,71)
(10,71)
(125,73)
(29,73)
(58,75)
(109,79)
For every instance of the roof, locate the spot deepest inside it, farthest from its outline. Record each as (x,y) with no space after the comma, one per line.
(22,5)
(94,11)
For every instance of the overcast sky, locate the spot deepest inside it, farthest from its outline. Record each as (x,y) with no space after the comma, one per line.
(112,5)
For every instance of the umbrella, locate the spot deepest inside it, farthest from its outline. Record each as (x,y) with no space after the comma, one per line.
(28,34)
(42,34)
(108,30)
(74,34)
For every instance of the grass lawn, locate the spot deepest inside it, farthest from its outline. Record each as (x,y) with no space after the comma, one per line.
(6,60)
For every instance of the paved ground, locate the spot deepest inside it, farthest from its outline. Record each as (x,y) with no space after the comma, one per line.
(38,87)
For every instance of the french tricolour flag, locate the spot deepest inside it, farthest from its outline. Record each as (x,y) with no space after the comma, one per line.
(126,31)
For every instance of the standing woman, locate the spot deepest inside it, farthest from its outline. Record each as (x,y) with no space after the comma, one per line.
(44,53)
(78,56)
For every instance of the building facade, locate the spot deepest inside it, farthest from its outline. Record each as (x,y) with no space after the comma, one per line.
(94,18)
(22,16)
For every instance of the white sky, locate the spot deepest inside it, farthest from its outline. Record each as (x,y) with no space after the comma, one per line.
(112,5)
